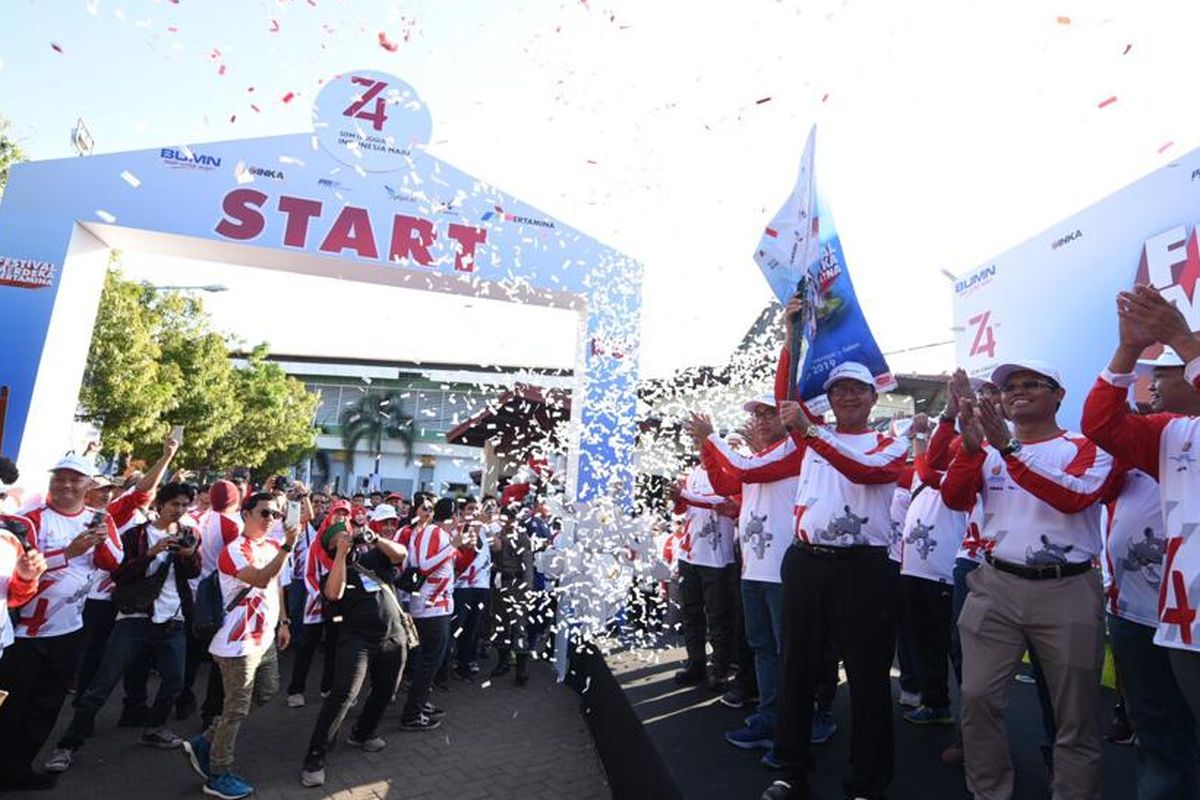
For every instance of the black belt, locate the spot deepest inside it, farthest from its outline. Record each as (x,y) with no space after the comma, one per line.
(853,551)
(1040,573)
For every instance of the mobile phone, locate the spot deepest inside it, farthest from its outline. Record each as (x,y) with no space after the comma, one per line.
(177,433)
(292,518)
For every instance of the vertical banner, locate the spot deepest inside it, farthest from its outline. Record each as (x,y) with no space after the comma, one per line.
(802,243)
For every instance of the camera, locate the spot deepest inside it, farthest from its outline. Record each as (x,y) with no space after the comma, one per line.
(187,541)
(17,528)
(364,536)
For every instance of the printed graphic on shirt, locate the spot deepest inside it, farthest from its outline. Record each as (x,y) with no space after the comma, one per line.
(1048,555)
(1145,557)
(708,532)
(756,535)
(920,540)
(844,530)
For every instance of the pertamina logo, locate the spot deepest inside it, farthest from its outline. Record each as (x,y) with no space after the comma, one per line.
(1171,263)
(1065,240)
(975,280)
(26,273)
(183,158)
(499,213)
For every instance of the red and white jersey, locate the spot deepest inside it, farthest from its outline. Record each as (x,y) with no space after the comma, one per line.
(430,552)
(707,536)
(277,533)
(974,547)
(901,499)
(847,481)
(250,627)
(57,608)
(317,564)
(767,483)
(127,511)
(14,591)
(218,532)
(930,535)
(478,573)
(1134,549)
(1167,447)
(1041,505)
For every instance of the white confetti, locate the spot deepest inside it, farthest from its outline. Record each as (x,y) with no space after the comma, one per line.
(131,179)
(485,684)
(104,215)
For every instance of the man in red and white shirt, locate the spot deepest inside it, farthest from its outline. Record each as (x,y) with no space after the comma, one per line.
(1041,489)
(245,647)
(472,589)
(78,543)
(1166,447)
(838,583)
(20,567)
(706,578)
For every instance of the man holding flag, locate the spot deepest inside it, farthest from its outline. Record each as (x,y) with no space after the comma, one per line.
(836,579)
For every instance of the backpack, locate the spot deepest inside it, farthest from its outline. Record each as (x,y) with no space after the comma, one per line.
(209,608)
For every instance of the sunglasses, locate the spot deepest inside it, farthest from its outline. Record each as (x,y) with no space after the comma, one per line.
(267,513)
(1027,386)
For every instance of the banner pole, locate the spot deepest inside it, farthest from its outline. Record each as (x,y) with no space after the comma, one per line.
(794,346)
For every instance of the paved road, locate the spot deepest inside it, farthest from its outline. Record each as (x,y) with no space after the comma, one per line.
(496,742)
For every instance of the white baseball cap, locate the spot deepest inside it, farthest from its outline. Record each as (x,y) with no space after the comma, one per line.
(1167,358)
(383,511)
(767,400)
(1044,368)
(849,370)
(76,463)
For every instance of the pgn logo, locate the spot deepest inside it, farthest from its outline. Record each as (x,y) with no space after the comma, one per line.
(358,109)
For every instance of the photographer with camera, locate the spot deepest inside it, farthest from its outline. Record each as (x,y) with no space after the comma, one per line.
(360,591)
(79,544)
(153,600)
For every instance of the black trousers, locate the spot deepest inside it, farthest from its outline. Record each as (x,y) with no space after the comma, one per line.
(706,594)
(434,633)
(310,637)
(357,659)
(850,599)
(35,673)
(927,607)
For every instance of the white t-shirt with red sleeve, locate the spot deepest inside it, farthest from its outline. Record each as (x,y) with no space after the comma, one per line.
(249,628)
(478,574)
(708,537)
(847,481)
(931,535)
(430,552)
(1165,446)
(1041,505)
(218,532)
(127,511)
(14,591)
(1134,548)
(57,608)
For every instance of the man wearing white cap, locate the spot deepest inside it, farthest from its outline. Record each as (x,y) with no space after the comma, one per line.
(1161,446)
(1040,488)
(78,543)
(837,580)
(766,482)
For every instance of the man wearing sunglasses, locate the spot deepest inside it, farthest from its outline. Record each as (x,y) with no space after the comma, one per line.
(244,648)
(1041,488)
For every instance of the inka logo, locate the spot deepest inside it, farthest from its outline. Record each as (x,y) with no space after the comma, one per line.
(1064,240)
(499,214)
(262,172)
(183,158)
(974,280)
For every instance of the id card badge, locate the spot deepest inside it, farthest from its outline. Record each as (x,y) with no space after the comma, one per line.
(369,584)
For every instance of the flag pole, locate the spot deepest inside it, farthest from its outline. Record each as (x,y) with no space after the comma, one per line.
(799,320)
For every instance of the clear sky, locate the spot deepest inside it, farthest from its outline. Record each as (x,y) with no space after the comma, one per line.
(948,130)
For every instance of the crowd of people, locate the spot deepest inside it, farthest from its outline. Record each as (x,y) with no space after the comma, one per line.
(107,582)
(956,548)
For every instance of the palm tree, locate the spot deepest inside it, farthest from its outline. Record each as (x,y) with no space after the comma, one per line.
(375,417)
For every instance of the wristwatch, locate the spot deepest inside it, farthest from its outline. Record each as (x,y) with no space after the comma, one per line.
(1011,449)
(285,547)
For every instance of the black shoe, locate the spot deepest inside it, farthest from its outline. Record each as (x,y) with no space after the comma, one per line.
(28,782)
(717,681)
(133,717)
(420,723)
(503,668)
(784,790)
(689,675)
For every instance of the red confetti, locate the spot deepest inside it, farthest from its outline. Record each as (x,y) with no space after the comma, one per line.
(762,100)
(172,29)
(221,70)
(590,161)
(1108,101)
(1128,47)
(824,97)
(233,118)
(250,89)
(1165,146)
(386,43)
(56,47)
(287,98)
(215,55)
(256,108)
(274,26)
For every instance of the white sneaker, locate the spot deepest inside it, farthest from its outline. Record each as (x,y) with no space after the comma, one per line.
(324,693)
(295,701)
(312,778)
(910,699)
(60,760)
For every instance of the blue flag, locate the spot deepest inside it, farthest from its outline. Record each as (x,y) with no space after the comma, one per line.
(800,251)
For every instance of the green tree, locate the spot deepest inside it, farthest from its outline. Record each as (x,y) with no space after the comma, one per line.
(10,151)
(374,417)
(126,392)
(275,430)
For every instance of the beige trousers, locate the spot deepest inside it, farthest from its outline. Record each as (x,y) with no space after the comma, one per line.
(1064,621)
(249,681)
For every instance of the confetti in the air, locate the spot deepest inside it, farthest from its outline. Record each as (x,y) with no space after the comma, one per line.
(1128,47)
(1108,101)
(289,97)
(133,181)
(104,215)
(762,100)
(56,47)
(274,26)
(386,43)
(1064,20)
(1165,146)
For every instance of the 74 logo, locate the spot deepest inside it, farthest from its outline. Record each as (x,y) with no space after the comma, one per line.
(374,92)
(985,335)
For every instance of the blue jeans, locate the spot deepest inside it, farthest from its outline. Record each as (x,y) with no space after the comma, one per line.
(129,640)
(764,632)
(1166,732)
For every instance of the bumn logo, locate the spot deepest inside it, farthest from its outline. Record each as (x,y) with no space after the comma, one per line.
(974,280)
(183,158)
